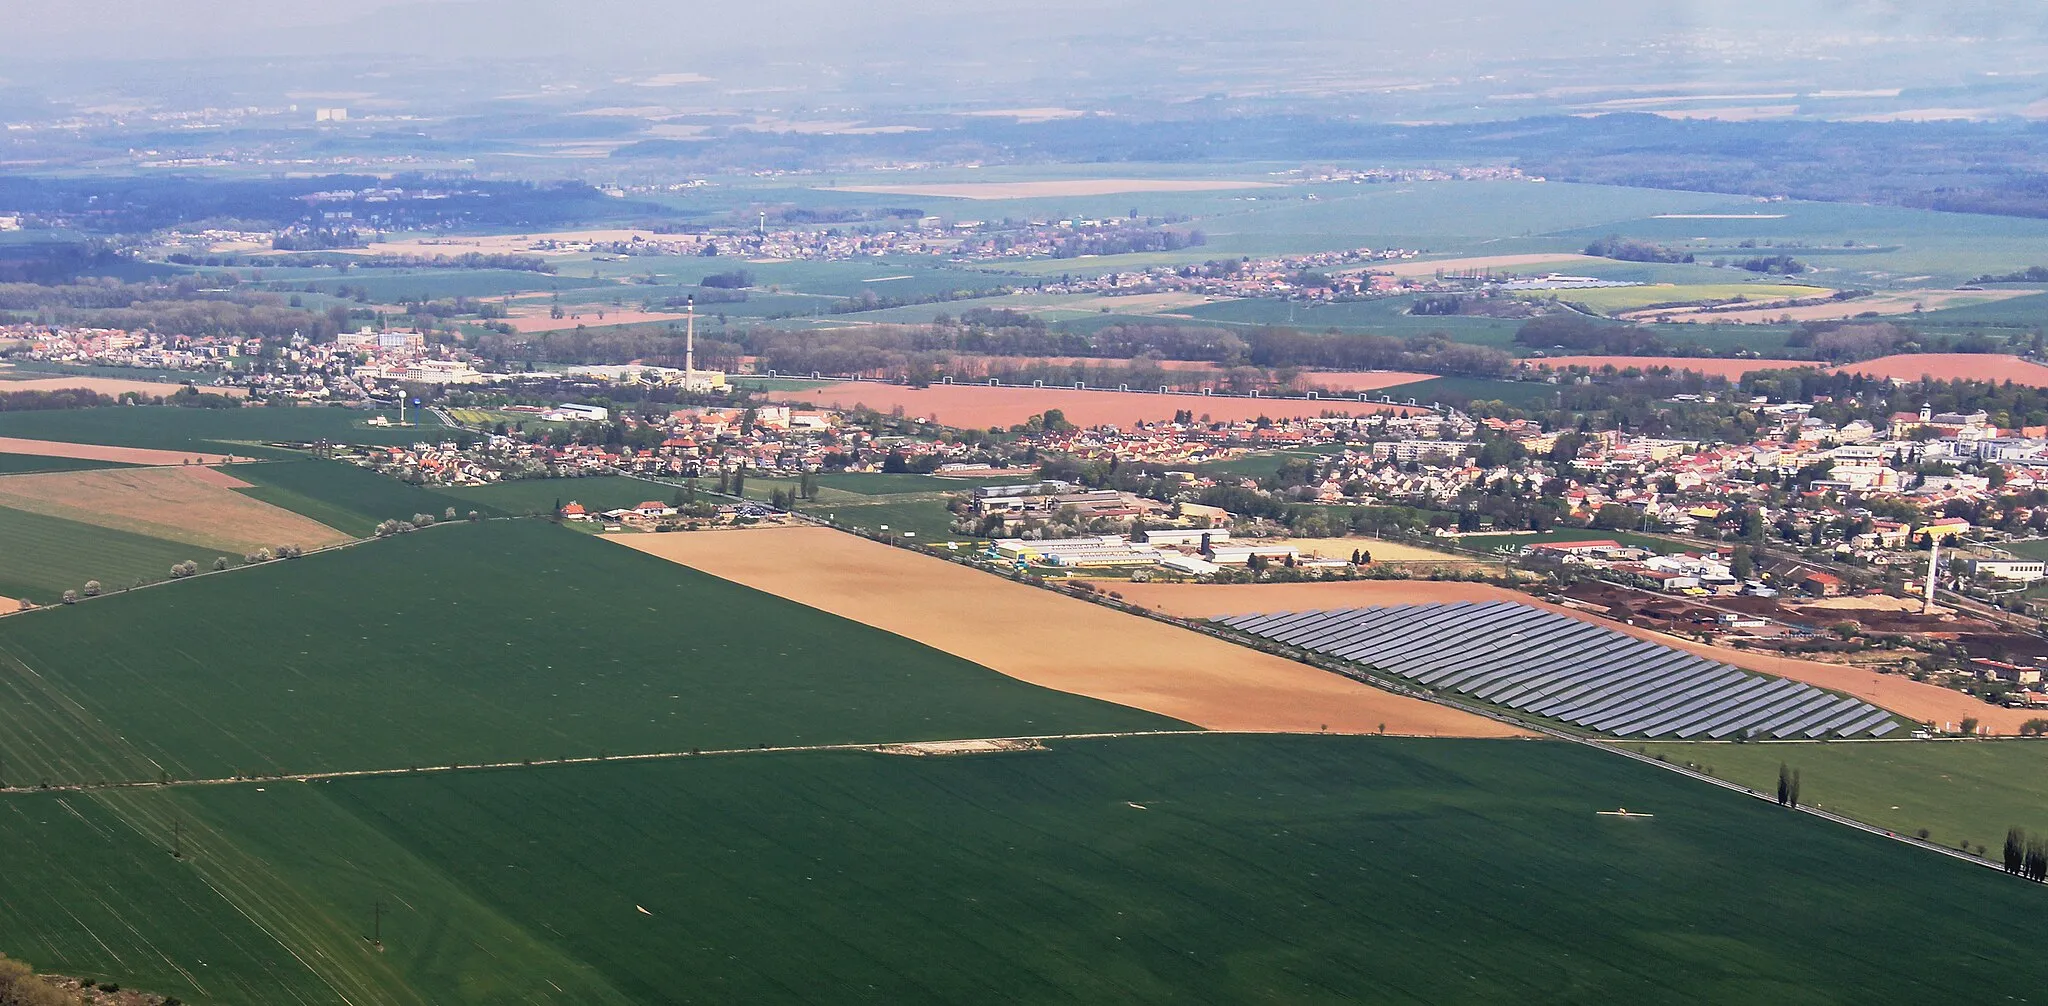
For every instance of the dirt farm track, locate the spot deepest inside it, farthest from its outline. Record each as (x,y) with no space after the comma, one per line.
(974,405)
(1054,641)
(1918,700)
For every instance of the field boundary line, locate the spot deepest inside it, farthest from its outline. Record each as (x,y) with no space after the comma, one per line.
(874,747)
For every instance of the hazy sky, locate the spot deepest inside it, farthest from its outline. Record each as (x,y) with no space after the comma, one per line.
(1506,28)
(936,50)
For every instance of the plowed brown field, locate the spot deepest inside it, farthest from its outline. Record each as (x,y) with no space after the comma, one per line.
(1952,367)
(1054,641)
(1918,700)
(980,406)
(179,504)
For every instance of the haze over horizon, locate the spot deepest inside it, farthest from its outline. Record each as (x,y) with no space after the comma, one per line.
(1391,61)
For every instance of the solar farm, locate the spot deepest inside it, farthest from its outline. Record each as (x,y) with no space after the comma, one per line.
(1562,669)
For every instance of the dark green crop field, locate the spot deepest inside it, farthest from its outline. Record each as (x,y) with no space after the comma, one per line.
(85,893)
(1219,868)
(18,464)
(492,642)
(538,496)
(1216,868)
(346,497)
(222,431)
(41,556)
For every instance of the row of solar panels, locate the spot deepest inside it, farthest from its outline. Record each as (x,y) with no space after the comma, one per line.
(1559,667)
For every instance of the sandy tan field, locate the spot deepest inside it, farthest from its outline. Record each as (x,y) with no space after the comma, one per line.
(216,477)
(1918,700)
(1382,551)
(1952,367)
(180,504)
(1730,369)
(1072,187)
(1887,303)
(97,452)
(538,319)
(1514,263)
(968,405)
(113,386)
(1058,642)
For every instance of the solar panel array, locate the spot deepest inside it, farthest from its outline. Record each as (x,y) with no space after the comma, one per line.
(1561,668)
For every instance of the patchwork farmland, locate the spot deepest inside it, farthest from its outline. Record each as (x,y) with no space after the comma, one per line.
(629,778)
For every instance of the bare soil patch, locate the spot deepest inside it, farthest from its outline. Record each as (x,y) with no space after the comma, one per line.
(925,749)
(540,320)
(1953,367)
(98,452)
(180,504)
(1382,551)
(1900,694)
(214,476)
(115,386)
(1072,187)
(1054,641)
(973,405)
(1730,369)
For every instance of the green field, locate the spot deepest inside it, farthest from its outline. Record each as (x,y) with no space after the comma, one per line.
(1218,868)
(222,431)
(346,497)
(85,893)
(19,464)
(1959,791)
(538,496)
(492,642)
(929,520)
(1458,391)
(41,557)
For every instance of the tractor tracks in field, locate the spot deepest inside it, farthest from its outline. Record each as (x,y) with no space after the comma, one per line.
(934,747)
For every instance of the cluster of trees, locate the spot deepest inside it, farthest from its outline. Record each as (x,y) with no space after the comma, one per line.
(57,398)
(186,305)
(1626,250)
(1124,241)
(2031,274)
(1788,786)
(2024,856)
(1778,265)
(868,300)
(1581,334)
(735,279)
